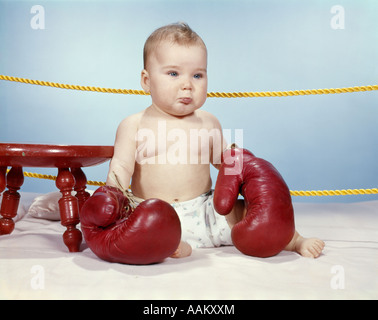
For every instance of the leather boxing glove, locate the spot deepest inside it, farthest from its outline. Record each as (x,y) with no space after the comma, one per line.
(268,225)
(117,233)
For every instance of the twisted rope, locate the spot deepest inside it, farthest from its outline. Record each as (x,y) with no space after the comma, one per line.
(72,87)
(333,192)
(301,193)
(209,94)
(213,95)
(50,177)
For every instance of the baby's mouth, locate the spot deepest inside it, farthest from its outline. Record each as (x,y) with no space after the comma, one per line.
(185,100)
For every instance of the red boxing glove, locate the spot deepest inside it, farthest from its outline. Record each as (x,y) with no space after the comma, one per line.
(268,225)
(116,233)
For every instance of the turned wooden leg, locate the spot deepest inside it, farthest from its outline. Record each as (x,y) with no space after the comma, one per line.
(3,170)
(11,199)
(80,185)
(69,210)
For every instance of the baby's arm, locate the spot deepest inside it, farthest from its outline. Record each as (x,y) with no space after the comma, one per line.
(219,144)
(123,161)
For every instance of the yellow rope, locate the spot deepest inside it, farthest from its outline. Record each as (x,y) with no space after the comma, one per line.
(300,193)
(333,192)
(213,95)
(209,94)
(50,177)
(72,87)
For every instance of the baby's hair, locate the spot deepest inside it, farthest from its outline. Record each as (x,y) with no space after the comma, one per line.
(179,33)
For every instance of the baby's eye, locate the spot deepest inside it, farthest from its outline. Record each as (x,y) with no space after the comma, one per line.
(198,76)
(173,73)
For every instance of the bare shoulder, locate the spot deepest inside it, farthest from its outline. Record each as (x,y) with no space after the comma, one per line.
(127,129)
(132,120)
(130,123)
(208,118)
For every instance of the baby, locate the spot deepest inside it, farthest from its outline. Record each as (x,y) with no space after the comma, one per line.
(166,150)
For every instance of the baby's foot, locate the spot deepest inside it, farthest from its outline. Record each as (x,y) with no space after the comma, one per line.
(184,250)
(309,247)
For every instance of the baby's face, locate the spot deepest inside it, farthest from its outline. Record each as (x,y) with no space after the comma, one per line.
(176,78)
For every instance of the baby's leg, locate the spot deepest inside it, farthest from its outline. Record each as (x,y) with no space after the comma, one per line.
(307,247)
(184,250)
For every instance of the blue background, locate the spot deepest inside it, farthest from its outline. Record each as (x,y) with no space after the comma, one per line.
(316,142)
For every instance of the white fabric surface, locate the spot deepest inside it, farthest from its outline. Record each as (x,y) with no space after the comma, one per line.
(35,264)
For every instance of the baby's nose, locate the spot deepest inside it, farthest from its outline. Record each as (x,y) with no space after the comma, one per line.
(187,85)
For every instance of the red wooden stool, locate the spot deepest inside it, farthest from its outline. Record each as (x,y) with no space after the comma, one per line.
(69,160)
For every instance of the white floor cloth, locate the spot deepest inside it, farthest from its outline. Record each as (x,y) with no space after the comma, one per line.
(35,264)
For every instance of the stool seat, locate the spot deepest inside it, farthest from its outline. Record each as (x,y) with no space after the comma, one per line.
(68,159)
(53,156)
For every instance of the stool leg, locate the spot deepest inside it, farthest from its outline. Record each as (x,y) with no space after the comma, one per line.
(81,183)
(3,181)
(69,210)
(11,199)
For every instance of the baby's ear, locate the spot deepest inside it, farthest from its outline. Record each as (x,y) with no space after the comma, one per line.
(145,80)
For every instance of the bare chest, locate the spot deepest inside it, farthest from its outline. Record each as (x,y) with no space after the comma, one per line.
(169,143)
